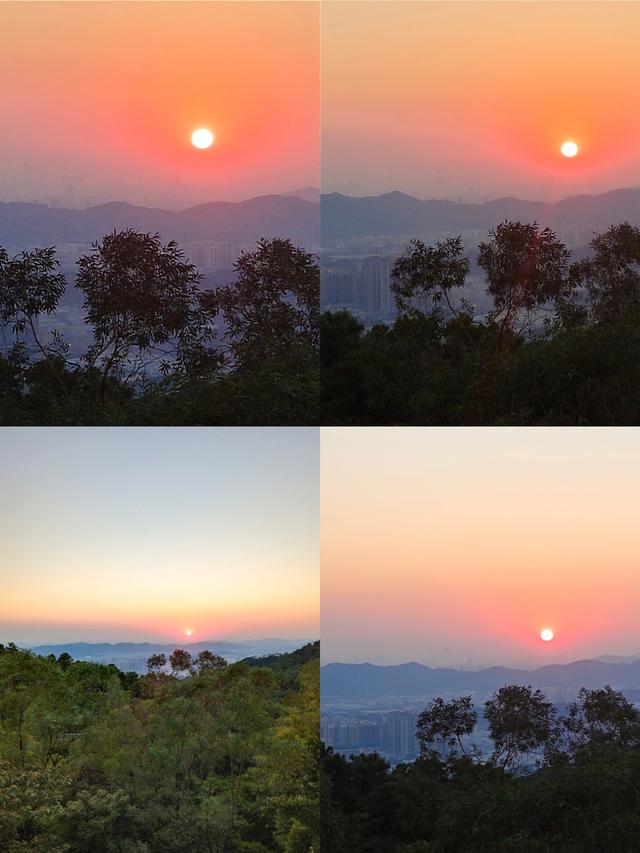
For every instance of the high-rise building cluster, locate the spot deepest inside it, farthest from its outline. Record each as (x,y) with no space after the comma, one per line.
(392,734)
(364,286)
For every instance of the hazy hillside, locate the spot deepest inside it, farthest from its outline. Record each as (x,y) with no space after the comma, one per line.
(342,680)
(397,214)
(264,216)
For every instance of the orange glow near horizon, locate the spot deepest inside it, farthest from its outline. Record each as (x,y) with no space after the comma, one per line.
(450,546)
(439,99)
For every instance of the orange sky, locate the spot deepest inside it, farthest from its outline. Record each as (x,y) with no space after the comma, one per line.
(102,98)
(474,99)
(456,546)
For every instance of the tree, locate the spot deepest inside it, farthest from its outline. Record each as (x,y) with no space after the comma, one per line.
(612,276)
(600,718)
(521,722)
(144,304)
(424,275)
(65,660)
(209,662)
(445,723)
(156,663)
(30,286)
(180,661)
(272,311)
(526,267)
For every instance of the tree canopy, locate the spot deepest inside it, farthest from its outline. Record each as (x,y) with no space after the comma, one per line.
(162,349)
(560,346)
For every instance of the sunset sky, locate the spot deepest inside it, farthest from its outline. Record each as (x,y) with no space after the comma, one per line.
(99,100)
(141,534)
(457,547)
(474,99)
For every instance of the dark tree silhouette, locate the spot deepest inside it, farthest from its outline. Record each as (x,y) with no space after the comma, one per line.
(209,662)
(600,718)
(180,661)
(423,276)
(156,663)
(144,304)
(445,723)
(526,267)
(272,311)
(611,276)
(521,722)
(30,285)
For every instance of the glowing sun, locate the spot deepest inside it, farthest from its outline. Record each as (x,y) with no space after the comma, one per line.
(188,631)
(202,138)
(546,634)
(569,149)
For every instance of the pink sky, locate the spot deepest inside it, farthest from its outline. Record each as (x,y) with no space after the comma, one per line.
(458,546)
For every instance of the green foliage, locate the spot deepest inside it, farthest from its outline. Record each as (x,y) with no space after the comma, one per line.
(93,760)
(287,666)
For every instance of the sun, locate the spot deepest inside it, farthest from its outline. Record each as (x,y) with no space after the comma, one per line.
(188,631)
(569,149)
(546,634)
(202,138)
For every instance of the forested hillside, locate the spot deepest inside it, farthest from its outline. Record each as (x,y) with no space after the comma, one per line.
(207,757)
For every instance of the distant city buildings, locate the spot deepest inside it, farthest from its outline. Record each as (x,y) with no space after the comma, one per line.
(212,256)
(391,734)
(361,285)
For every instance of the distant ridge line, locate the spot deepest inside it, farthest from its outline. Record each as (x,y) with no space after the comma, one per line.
(365,679)
(399,214)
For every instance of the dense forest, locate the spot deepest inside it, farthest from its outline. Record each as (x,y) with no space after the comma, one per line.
(561,345)
(197,756)
(163,350)
(554,783)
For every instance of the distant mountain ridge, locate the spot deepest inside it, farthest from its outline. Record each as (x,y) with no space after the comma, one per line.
(101,651)
(344,680)
(398,214)
(23,224)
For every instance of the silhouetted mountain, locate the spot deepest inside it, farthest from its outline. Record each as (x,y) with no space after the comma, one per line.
(23,224)
(307,193)
(397,214)
(342,680)
(619,658)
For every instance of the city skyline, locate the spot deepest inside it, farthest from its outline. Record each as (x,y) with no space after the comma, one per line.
(100,106)
(167,535)
(458,547)
(474,100)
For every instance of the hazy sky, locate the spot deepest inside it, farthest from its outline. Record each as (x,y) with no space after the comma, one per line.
(99,100)
(140,534)
(474,99)
(457,546)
